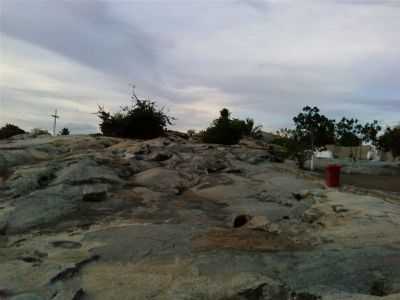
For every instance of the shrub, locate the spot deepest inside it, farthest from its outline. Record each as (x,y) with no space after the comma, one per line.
(191,133)
(227,131)
(248,128)
(223,130)
(10,130)
(294,144)
(64,131)
(142,120)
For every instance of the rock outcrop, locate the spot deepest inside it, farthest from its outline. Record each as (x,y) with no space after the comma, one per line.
(102,218)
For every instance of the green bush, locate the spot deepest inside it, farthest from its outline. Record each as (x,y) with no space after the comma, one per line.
(142,120)
(10,130)
(228,131)
(294,144)
(222,130)
(64,131)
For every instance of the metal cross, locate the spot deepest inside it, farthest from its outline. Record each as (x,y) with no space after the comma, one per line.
(55,116)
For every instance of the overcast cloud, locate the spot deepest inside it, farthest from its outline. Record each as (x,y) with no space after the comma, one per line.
(262,59)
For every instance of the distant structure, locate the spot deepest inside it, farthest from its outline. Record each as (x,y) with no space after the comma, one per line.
(55,116)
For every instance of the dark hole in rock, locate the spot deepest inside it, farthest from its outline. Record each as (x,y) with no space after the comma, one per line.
(40,254)
(262,292)
(241,220)
(253,294)
(30,259)
(94,193)
(304,296)
(4,293)
(80,294)
(286,218)
(379,288)
(139,156)
(44,180)
(297,196)
(160,156)
(66,244)
(233,170)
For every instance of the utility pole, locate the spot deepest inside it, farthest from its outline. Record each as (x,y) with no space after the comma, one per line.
(55,116)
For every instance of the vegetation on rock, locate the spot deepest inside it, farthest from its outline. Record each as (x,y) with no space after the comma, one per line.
(313,128)
(294,144)
(64,131)
(228,131)
(141,120)
(10,130)
(314,131)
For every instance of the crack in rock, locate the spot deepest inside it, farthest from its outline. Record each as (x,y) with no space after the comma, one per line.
(72,271)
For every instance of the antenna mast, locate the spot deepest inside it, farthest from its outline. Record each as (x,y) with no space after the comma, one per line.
(55,116)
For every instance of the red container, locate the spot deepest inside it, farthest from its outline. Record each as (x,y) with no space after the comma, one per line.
(332,175)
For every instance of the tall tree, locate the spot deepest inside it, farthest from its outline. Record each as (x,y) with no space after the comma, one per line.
(348,132)
(370,131)
(390,141)
(314,128)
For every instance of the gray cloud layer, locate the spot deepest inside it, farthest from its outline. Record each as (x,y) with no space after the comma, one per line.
(264,59)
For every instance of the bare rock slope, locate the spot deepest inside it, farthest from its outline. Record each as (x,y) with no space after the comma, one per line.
(102,218)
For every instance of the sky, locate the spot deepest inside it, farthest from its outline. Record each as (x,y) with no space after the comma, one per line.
(263,59)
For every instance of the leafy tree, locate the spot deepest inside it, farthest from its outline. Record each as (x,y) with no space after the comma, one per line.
(10,130)
(141,120)
(348,133)
(370,131)
(64,131)
(390,141)
(314,129)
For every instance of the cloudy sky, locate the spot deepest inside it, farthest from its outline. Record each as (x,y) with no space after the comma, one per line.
(263,59)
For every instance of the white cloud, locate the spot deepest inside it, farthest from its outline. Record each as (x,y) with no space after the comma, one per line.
(264,59)
(35,81)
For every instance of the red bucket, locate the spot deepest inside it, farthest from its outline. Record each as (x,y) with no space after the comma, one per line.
(332,175)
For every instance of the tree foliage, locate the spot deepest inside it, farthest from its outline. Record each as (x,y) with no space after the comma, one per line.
(370,131)
(223,130)
(295,145)
(64,131)
(348,132)
(10,130)
(390,141)
(313,128)
(141,120)
(250,129)
(228,131)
